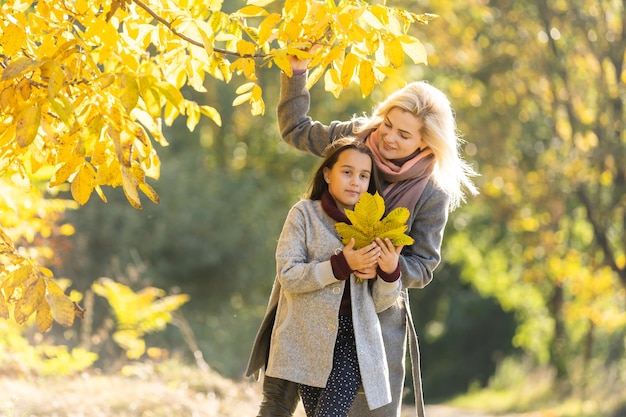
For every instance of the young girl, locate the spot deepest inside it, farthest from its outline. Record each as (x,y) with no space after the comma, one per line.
(326,336)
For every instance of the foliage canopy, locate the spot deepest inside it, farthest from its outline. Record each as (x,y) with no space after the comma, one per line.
(87,86)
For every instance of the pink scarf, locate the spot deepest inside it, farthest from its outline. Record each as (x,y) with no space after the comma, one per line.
(402,185)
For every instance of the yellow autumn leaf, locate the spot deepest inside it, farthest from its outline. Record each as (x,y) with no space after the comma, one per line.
(83,183)
(249,68)
(46,271)
(257,107)
(8,98)
(368,211)
(151,101)
(6,243)
(252,10)
(131,186)
(206,33)
(4,308)
(56,79)
(32,296)
(65,171)
(173,95)
(25,88)
(373,18)
(193,115)
(101,194)
(282,61)
(211,113)
(219,67)
(243,98)
(267,26)
(27,125)
(13,39)
(43,318)
(394,52)
(368,223)
(260,3)
(245,48)
(332,82)
(366,78)
(398,215)
(347,69)
(314,76)
(14,279)
(361,238)
(61,306)
(129,91)
(244,88)
(19,67)
(62,107)
(149,192)
(414,49)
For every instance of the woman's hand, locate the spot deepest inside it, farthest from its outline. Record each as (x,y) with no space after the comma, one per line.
(302,64)
(363,261)
(389,255)
(297,64)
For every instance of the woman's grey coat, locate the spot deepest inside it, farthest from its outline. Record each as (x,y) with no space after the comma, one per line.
(307,297)
(417,262)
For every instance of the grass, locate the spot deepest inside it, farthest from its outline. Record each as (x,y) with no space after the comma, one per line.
(524,390)
(170,388)
(146,390)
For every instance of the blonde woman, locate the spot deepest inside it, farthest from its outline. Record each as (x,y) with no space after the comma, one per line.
(413,137)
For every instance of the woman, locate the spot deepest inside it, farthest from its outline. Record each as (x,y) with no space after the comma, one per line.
(413,137)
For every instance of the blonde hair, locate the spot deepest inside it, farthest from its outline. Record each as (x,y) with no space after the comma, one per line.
(430,105)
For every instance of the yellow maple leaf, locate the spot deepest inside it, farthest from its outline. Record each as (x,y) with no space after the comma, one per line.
(368,223)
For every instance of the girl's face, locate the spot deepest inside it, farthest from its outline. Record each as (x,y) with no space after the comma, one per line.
(399,135)
(348,178)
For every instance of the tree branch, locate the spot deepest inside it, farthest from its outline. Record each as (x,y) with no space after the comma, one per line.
(187,38)
(600,235)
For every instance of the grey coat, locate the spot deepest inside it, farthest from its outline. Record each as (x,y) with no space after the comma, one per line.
(307,297)
(417,262)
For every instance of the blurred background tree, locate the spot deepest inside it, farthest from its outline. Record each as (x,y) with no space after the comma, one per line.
(539,89)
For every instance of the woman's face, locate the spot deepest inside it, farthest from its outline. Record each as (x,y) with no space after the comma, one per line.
(399,135)
(349,178)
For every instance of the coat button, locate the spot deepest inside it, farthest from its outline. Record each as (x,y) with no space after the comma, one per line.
(336,290)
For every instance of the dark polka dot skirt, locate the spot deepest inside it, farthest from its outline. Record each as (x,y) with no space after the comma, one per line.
(345,378)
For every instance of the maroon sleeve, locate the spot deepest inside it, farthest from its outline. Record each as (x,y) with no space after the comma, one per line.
(340,266)
(394,276)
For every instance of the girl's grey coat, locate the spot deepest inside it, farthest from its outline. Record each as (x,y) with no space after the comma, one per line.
(417,262)
(307,297)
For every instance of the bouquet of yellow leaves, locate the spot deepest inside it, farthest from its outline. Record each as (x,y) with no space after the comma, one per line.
(368,223)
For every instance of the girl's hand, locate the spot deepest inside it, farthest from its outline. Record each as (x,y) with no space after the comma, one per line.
(389,255)
(369,273)
(363,260)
